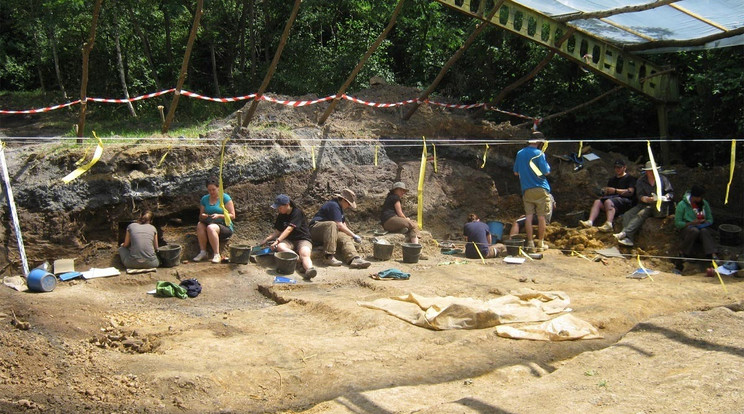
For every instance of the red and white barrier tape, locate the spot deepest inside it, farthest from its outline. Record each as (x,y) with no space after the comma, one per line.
(291,103)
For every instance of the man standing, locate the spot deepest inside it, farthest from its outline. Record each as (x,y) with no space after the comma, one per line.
(616,198)
(532,168)
(328,227)
(647,195)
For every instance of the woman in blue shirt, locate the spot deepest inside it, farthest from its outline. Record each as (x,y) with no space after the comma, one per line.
(214,224)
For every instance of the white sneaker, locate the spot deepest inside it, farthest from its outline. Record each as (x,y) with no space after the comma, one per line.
(626,242)
(586,223)
(201,256)
(620,235)
(606,227)
(216,259)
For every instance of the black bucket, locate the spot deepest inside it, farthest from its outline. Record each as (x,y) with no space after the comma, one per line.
(730,234)
(285,262)
(383,251)
(240,253)
(170,255)
(411,252)
(513,246)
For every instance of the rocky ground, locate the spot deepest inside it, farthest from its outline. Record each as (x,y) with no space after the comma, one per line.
(670,342)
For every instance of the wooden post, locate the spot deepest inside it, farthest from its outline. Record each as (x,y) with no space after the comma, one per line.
(454,58)
(274,63)
(361,63)
(184,66)
(87,48)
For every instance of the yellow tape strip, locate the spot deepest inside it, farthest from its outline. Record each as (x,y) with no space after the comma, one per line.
(643,268)
(578,154)
(479,253)
(731,169)
(312,153)
(434,147)
(228,219)
(422,175)
(485,153)
(523,253)
(85,155)
(545,147)
(80,170)
(715,267)
(656,176)
(377,147)
(577,254)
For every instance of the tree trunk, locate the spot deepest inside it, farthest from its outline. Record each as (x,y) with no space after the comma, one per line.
(148,52)
(214,69)
(252,32)
(39,62)
(57,73)
(87,48)
(120,64)
(167,23)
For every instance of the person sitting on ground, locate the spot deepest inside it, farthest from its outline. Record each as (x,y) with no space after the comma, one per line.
(291,233)
(478,234)
(518,224)
(328,227)
(392,217)
(532,169)
(617,197)
(645,190)
(215,221)
(693,218)
(140,244)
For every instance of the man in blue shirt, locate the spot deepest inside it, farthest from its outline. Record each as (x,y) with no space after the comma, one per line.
(328,227)
(532,168)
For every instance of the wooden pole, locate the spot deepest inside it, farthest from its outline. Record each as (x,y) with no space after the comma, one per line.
(454,58)
(87,48)
(184,66)
(274,63)
(361,63)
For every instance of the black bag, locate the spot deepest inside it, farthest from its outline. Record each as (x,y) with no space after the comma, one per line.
(192,286)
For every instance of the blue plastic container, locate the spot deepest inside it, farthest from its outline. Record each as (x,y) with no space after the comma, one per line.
(39,280)
(497,230)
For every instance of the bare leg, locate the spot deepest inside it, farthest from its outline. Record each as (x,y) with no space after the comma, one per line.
(201,235)
(528,226)
(305,257)
(213,234)
(609,209)
(540,228)
(595,210)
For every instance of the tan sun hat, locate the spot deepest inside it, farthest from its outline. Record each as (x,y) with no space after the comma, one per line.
(536,137)
(349,196)
(649,166)
(399,184)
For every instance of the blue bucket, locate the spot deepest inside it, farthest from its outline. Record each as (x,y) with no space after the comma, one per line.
(496,228)
(39,280)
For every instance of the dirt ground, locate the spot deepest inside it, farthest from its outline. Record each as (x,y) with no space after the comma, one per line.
(670,342)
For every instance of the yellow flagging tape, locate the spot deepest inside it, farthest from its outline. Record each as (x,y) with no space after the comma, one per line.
(434,148)
(643,268)
(534,167)
(578,154)
(715,267)
(83,168)
(577,254)
(523,253)
(545,147)
(479,253)
(312,153)
(221,194)
(731,169)
(377,148)
(85,155)
(422,174)
(485,154)
(167,150)
(656,177)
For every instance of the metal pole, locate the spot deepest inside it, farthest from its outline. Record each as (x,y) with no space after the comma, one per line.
(11,206)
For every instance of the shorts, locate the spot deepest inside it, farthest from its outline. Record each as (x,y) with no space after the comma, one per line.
(297,245)
(622,204)
(536,201)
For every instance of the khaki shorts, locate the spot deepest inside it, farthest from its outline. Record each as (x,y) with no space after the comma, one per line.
(299,244)
(536,201)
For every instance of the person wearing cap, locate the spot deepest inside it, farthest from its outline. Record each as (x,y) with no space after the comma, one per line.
(532,168)
(478,234)
(291,233)
(392,218)
(214,225)
(328,227)
(646,195)
(693,218)
(138,251)
(617,197)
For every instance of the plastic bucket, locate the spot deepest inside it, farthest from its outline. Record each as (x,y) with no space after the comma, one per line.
(240,253)
(513,246)
(411,252)
(285,262)
(170,255)
(39,280)
(496,228)
(730,234)
(382,251)
(573,218)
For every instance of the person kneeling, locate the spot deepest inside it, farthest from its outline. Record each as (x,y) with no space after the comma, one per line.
(291,233)
(477,234)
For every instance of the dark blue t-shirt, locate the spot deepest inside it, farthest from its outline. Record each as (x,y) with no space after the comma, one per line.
(330,211)
(476,231)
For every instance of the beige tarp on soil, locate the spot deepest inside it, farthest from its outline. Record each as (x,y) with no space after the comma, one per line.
(563,328)
(440,313)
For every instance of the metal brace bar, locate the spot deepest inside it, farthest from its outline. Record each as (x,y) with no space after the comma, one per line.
(622,67)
